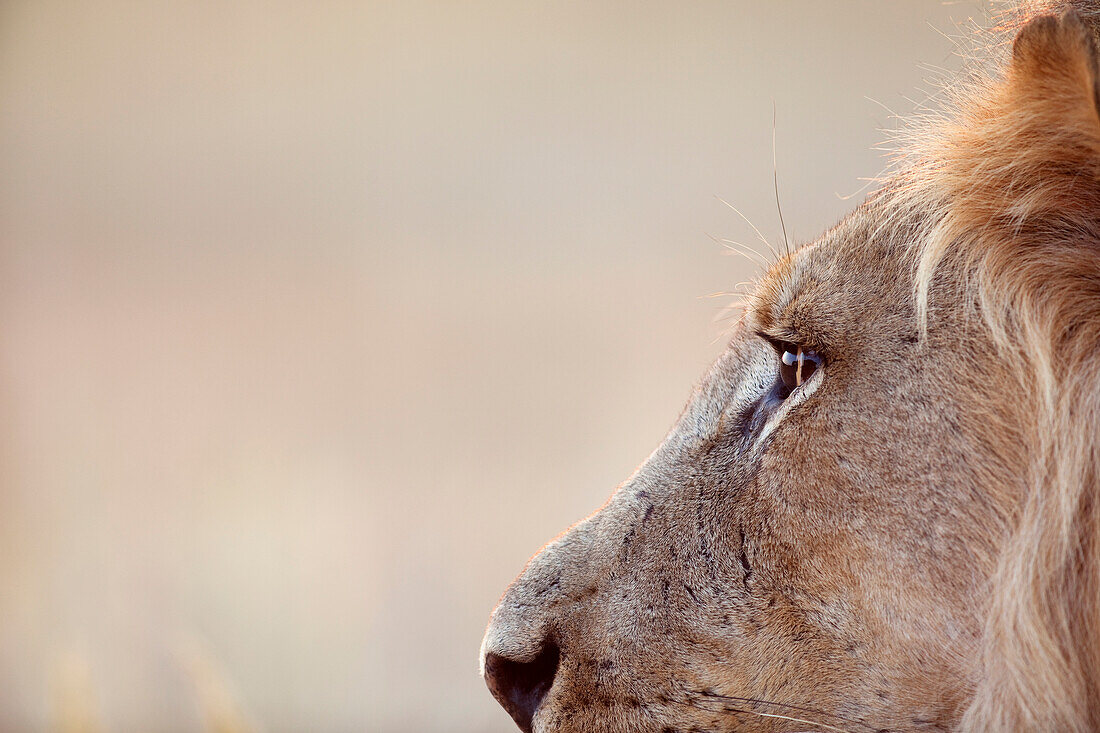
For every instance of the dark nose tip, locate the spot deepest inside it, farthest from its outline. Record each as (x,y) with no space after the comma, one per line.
(521,686)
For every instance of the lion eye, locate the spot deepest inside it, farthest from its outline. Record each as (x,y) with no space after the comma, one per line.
(797,365)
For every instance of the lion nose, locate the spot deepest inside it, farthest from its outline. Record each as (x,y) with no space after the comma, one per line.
(520,686)
(529,637)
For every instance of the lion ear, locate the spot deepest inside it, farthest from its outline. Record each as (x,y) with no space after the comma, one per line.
(1028,147)
(1054,75)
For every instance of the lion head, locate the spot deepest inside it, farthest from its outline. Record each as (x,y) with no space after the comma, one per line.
(879,510)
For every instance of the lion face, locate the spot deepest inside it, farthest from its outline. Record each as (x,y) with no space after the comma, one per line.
(795,548)
(817,543)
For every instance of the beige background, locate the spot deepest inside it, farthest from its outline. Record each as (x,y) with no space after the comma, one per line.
(316,320)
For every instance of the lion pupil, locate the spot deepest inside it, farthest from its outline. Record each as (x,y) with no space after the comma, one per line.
(797,365)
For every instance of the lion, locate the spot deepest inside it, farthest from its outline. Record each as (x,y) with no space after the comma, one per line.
(879,510)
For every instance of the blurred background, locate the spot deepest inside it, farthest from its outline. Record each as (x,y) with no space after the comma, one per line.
(318,319)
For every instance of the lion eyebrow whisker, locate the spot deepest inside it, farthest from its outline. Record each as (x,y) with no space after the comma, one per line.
(741,249)
(759,235)
(775,183)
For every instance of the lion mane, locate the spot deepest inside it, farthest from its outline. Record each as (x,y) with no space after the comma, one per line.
(1006,183)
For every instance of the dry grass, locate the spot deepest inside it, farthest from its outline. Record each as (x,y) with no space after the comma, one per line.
(218,702)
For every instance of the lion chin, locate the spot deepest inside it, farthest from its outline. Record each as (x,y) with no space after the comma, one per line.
(879,510)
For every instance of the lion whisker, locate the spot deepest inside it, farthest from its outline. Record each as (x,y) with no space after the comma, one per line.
(822,726)
(800,708)
(727,709)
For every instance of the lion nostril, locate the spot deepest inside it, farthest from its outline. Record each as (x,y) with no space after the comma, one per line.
(521,686)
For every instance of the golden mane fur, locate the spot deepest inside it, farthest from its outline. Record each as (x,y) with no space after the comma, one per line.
(1007,182)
